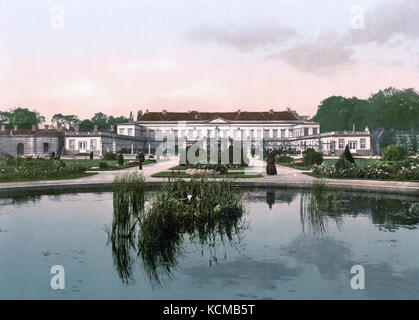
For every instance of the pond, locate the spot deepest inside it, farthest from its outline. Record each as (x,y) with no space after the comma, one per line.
(287,245)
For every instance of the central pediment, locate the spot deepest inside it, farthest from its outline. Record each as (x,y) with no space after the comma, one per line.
(218,120)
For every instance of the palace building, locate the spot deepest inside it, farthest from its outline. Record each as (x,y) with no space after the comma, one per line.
(277,129)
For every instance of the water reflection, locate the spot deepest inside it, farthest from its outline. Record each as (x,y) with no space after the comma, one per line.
(316,209)
(388,214)
(204,214)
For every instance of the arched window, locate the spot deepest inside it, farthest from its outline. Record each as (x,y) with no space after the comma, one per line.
(20,149)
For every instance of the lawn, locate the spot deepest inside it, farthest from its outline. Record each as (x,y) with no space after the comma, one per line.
(44,178)
(288,164)
(93,164)
(179,167)
(231,175)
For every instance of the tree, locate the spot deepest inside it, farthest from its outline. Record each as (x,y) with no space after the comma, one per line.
(86,125)
(388,109)
(113,122)
(22,117)
(101,120)
(139,115)
(69,122)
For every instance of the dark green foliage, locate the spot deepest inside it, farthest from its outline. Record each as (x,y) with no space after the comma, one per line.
(103,165)
(283,158)
(91,155)
(311,157)
(110,156)
(343,164)
(348,155)
(22,117)
(388,109)
(120,159)
(395,152)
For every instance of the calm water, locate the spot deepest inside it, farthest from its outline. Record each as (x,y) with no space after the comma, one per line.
(286,250)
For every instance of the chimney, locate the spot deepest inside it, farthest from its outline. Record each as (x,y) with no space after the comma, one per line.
(164,112)
(271,111)
(46,127)
(95,128)
(15,127)
(146,110)
(238,111)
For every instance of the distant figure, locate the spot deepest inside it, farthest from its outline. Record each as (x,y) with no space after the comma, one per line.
(140,160)
(270,166)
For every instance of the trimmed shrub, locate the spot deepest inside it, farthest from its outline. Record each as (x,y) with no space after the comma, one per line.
(110,156)
(343,164)
(348,155)
(120,159)
(91,155)
(395,152)
(311,156)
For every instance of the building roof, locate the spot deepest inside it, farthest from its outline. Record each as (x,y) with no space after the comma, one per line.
(229,116)
(36,132)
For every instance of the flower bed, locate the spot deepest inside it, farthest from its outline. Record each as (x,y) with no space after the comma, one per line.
(26,169)
(403,170)
(197,172)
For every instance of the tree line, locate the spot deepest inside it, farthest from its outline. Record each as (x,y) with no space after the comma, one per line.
(25,119)
(391,109)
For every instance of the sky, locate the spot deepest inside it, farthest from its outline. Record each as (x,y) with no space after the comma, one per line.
(113,56)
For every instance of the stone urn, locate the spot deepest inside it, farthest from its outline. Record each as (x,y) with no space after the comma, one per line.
(270,166)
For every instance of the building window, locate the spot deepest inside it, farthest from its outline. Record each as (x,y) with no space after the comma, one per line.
(341,143)
(190,134)
(121,131)
(46,147)
(314,131)
(225,135)
(306,131)
(92,144)
(290,132)
(252,133)
(282,133)
(71,144)
(363,143)
(266,134)
(275,133)
(129,131)
(352,145)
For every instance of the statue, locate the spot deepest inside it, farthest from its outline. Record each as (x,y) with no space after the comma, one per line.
(270,166)
(141,159)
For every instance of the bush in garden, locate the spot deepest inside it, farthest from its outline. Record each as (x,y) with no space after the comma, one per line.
(120,159)
(283,158)
(103,165)
(110,156)
(395,152)
(343,164)
(91,155)
(348,155)
(311,156)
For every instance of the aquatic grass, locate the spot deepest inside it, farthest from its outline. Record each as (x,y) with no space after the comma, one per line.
(202,211)
(317,206)
(128,204)
(205,211)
